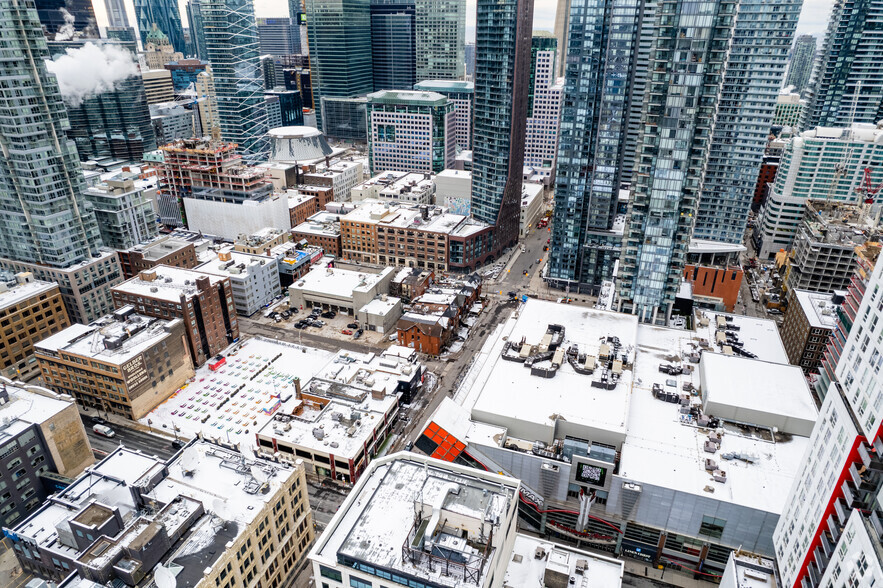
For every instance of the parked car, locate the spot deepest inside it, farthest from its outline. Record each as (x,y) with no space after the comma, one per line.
(353,326)
(97,420)
(329,314)
(104,431)
(358,334)
(347,332)
(177,444)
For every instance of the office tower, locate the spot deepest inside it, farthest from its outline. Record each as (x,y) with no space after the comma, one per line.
(197,32)
(789,109)
(410,131)
(208,104)
(114,123)
(823,164)
(562,33)
(340,50)
(116,13)
(502,72)
(164,14)
(185,72)
(232,47)
(847,86)
(828,534)
(57,16)
(461,95)
(158,86)
(469,53)
(544,97)
(291,106)
(278,36)
(124,34)
(678,111)
(587,231)
(393,44)
(268,73)
(751,83)
(803,57)
(441,37)
(44,216)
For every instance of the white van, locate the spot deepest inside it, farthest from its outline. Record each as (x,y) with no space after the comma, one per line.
(103,430)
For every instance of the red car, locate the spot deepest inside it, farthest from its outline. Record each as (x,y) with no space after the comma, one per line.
(347,332)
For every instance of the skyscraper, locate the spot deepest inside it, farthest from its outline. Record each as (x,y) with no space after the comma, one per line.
(502,71)
(544,96)
(165,15)
(587,231)
(754,73)
(848,86)
(231,42)
(197,31)
(114,123)
(392,44)
(562,32)
(340,49)
(55,14)
(44,218)
(639,85)
(688,57)
(116,13)
(278,36)
(441,39)
(803,57)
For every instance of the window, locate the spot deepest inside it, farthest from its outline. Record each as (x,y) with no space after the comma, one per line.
(359,583)
(330,574)
(712,527)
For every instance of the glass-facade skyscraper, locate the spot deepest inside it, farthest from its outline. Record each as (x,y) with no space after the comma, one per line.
(52,16)
(197,30)
(115,123)
(165,14)
(441,39)
(803,57)
(392,44)
(587,231)
(339,32)
(278,36)
(687,63)
(848,85)
(116,13)
(43,215)
(502,70)
(756,66)
(231,42)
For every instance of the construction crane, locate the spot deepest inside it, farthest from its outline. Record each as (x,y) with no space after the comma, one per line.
(867,190)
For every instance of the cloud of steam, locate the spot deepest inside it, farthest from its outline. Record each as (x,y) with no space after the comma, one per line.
(66,31)
(91,70)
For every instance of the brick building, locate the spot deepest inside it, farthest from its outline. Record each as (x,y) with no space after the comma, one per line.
(809,321)
(29,311)
(320,230)
(161,251)
(302,206)
(122,363)
(204,302)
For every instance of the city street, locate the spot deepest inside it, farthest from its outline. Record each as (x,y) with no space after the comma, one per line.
(128,436)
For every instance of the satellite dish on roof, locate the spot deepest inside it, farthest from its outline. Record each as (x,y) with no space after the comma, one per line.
(190,459)
(219,508)
(259,474)
(164,578)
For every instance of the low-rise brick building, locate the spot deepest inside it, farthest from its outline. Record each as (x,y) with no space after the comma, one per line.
(160,251)
(809,321)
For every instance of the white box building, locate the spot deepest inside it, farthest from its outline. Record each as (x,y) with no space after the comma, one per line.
(254,278)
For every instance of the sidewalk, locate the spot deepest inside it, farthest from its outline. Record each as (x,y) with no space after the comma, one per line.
(668,577)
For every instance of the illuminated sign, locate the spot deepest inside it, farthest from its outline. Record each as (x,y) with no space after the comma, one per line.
(303,18)
(591,474)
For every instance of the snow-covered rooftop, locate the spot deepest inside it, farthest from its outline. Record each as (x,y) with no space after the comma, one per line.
(336,281)
(820,312)
(170,282)
(380,306)
(377,520)
(21,292)
(27,407)
(559,562)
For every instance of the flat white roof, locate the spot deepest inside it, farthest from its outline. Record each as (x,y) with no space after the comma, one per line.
(213,265)
(170,283)
(525,570)
(664,450)
(529,193)
(818,308)
(506,394)
(26,408)
(21,292)
(335,281)
(379,306)
(759,336)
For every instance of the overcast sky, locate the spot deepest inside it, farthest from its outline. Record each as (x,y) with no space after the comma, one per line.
(813,19)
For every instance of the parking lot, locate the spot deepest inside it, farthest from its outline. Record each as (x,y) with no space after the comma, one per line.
(339,327)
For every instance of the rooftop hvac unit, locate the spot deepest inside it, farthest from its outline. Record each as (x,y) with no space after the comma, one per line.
(319,434)
(581,566)
(539,553)
(154,289)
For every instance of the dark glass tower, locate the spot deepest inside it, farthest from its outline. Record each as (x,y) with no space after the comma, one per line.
(165,14)
(339,33)
(803,57)
(53,15)
(848,84)
(114,123)
(687,64)
(197,31)
(587,231)
(43,215)
(502,71)
(392,44)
